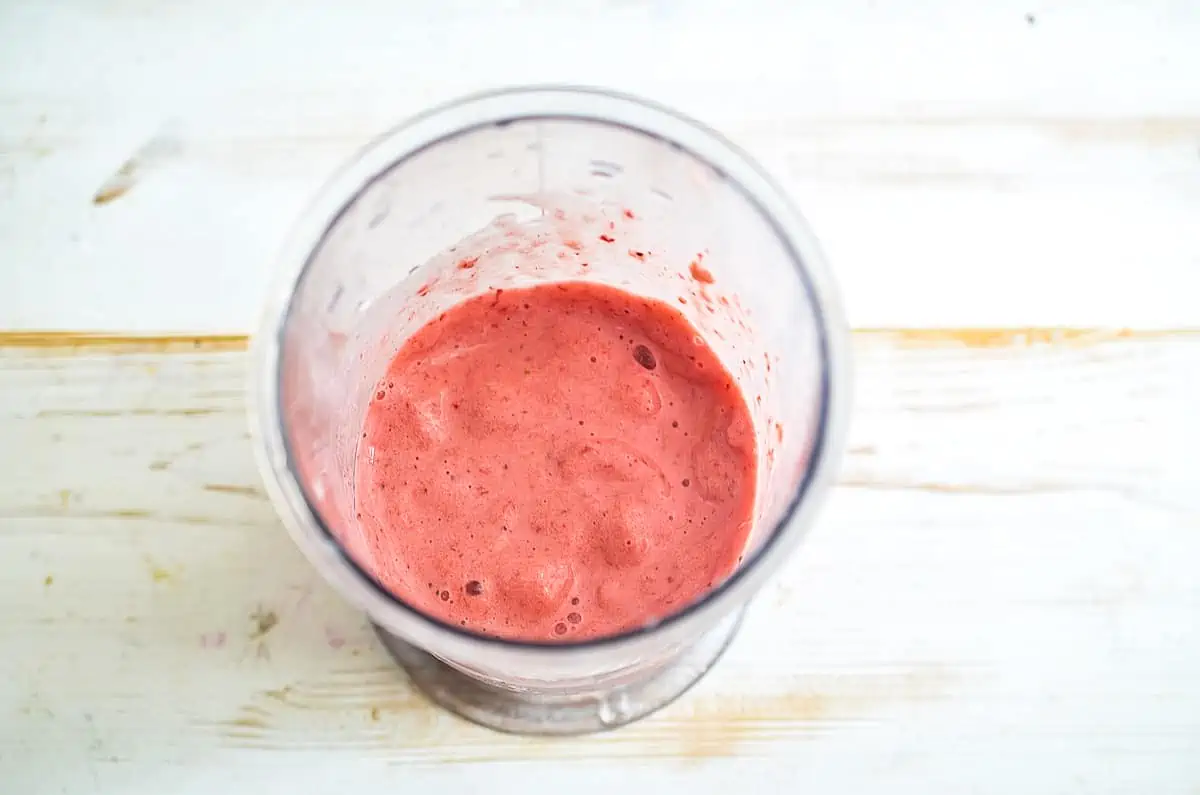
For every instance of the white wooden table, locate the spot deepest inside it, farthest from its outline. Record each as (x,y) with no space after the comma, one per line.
(1003,595)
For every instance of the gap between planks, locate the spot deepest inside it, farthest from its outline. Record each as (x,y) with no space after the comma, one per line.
(84,342)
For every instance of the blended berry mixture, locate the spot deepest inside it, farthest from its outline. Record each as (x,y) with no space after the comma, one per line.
(555,463)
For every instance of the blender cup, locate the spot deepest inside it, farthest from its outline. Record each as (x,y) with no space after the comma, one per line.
(589,186)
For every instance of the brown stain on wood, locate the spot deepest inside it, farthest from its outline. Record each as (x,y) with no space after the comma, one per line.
(377,710)
(111,191)
(159,574)
(227,488)
(114,343)
(264,621)
(129,513)
(198,519)
(158,149)
(116,186)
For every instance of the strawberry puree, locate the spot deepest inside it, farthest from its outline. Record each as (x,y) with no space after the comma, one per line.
(555,463)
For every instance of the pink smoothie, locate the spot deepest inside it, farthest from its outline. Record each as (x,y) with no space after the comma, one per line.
(555,463)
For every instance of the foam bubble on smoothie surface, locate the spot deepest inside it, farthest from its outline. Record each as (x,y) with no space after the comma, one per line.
(556,462)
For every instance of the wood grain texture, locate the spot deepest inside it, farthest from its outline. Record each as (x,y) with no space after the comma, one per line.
(957,167)
(1001,591)
(1001,597)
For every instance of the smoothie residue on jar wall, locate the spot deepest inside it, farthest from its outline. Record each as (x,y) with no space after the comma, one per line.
(567,238)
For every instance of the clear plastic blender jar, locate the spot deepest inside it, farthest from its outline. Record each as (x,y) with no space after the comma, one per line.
(657,205)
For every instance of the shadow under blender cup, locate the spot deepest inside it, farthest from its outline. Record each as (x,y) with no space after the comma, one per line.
(569,172)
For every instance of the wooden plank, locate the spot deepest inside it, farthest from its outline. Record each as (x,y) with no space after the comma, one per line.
(1002,592)
(958,169)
